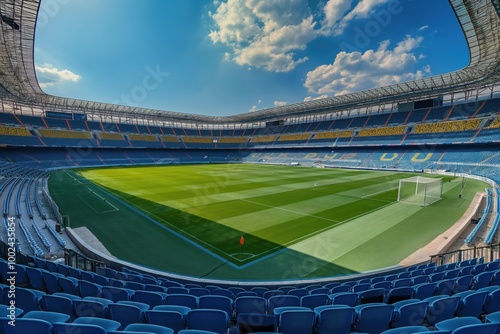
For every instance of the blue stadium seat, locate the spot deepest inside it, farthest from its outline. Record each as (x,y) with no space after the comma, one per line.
(296,322)
(482,280)
(59,304)
(256,305)
(300,292)
(397,294)
(51,317)
(177,290)
(35,278)
(155,288)
(312,301)
(407,330)
(51,282)
(88,289)
(489,328)
(182,300)
(375,295)
(373,318)
(334,319)
(441,308)
(344,298)
(107,324)
(89,308)
(454,323)
(6,310)
(125,314)
(24,326)
(444,287)
(224,292)
(281,301)
(198,292)
(259,291)
(149,297)
(463,283)
(471,303)
(28,300)
(210,320)
(184,310)
(424,290)
(217,303)
(116,294)
(70,285)
(171,319)
(149,328)
(492,303)
(77,328)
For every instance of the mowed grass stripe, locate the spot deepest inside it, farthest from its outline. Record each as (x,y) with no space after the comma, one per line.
(410,232)
(271,194)
(198,177)
(323,245)
(207,188)
(290,202)
(202,189)
(197,226)
(266,216)
(346,237)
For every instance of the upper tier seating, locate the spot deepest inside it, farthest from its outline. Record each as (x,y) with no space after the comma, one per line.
(13,131)
(49,133)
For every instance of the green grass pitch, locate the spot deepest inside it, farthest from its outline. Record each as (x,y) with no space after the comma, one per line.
(296,222)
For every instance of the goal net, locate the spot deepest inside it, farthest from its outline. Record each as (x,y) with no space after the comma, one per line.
(420,190)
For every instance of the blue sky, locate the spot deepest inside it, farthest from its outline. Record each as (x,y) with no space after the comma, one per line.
(226,57)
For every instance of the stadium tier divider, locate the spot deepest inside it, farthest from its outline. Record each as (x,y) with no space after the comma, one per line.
(494,228)
(486,212)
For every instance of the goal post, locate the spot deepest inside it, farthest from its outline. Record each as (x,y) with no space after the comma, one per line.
(420,190)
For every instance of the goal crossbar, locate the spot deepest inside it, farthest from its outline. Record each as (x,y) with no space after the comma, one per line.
(420,190)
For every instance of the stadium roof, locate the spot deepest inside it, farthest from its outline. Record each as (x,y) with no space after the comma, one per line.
(479,19)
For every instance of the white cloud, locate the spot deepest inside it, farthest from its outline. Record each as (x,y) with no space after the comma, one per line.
(48,75)
(334,11)
(264,34)
(271,34)
(338,13)
(279,103)
(356,71)
(423,28)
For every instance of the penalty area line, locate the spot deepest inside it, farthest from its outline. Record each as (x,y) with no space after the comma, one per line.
(378,192)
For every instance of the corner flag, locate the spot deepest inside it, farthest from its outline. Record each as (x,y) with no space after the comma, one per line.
(242,240)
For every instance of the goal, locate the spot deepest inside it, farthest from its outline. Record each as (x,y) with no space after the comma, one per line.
(420,190)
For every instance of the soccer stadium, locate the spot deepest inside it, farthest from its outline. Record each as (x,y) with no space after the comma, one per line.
(367,212)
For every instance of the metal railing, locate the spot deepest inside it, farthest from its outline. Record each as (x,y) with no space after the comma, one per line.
(488,253)
(80,261)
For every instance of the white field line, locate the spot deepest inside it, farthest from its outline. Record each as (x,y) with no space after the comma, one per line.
(379,192)
(269,251)
(291,211)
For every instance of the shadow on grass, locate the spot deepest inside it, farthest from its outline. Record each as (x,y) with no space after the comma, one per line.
(128,235)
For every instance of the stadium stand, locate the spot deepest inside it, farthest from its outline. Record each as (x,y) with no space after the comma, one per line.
(444,294)
(110,136)
(294,137)
(454,126)
(437,309)
(263,139)
(50,133)
(142,137)
(382,131)
(13,131)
